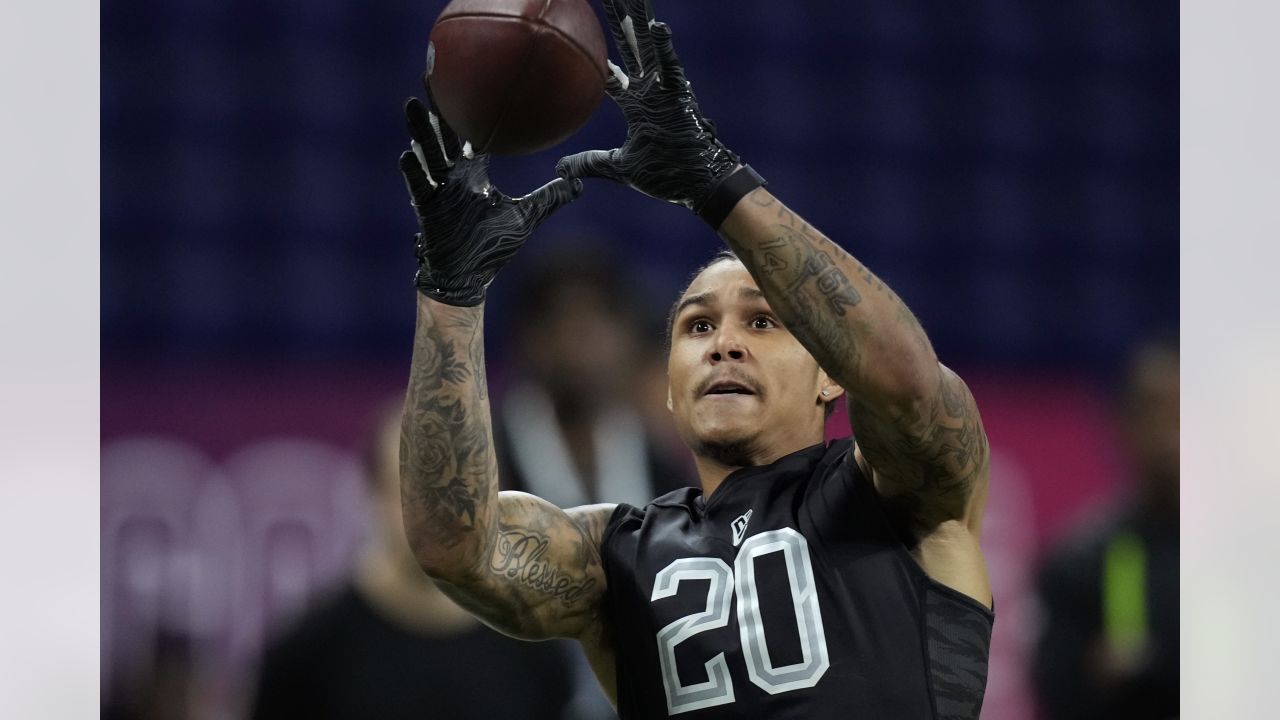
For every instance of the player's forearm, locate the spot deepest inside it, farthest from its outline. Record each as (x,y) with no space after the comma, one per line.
(916,421)
(857,328)
(448,470)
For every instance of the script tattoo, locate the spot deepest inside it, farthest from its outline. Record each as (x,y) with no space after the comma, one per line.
(519,555)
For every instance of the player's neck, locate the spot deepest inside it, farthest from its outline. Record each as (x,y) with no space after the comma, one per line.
(711,478)
(712,473)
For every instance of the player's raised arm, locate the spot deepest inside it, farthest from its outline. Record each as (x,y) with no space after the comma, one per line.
(519,563)
(915,421)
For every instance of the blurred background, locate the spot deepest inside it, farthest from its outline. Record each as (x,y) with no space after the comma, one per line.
(1011,169)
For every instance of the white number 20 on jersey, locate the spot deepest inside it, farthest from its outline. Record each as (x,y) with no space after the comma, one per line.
(741,581)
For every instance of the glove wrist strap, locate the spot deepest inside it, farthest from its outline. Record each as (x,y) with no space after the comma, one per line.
(454,298)
(726,194)
(464,295)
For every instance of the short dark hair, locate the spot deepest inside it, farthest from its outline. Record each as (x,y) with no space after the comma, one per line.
(829,406)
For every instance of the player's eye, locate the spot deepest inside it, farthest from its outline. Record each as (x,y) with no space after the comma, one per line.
(763,322)
(699,326)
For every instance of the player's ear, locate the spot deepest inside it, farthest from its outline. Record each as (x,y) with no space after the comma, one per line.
(828,389)
(670,408)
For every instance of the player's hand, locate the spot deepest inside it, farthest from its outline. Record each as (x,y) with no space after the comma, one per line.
(469,228)
(671,151)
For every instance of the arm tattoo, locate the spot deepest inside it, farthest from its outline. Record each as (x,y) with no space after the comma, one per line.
(519,563)
(447,466)
(813,295)
(932,458)
(816,268)
(519,555)
(915,420)
(544,577)
(529,528)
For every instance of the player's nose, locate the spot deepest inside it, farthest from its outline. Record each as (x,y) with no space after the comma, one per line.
(727,347)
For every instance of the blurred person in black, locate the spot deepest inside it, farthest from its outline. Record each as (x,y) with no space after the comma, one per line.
(572,428)
(388,644)
(575,428)
(169,687)
(801,580)
(1109,645)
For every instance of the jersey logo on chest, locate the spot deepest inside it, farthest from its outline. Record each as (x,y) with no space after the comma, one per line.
(740,527)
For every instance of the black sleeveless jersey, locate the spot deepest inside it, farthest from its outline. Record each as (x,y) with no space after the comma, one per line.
(786,595)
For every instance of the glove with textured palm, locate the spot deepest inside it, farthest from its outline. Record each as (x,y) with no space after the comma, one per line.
(671,151)
(469,228)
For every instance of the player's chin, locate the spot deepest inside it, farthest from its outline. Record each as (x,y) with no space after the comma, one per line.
(731,447)
(725,429)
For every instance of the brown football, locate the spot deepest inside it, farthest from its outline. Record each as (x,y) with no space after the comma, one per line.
(517,76)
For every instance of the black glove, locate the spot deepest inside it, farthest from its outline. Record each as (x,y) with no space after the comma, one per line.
(469,228)
(671,151)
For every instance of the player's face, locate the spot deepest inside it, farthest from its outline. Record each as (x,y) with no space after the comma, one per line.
(737,377)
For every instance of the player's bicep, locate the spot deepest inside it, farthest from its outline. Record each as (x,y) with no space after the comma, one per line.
(542,576)
(931,460)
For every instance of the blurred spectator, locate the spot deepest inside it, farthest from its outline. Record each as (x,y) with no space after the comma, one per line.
(577,427)
(167,689)
(648,395)
(388,644)
(1109,646)
(587,420)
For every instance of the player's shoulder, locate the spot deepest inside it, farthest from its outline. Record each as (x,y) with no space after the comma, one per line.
(824,472)
(681,499)
(840,455)
(832,462)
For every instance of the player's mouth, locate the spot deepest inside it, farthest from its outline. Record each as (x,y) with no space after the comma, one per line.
(729,388)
